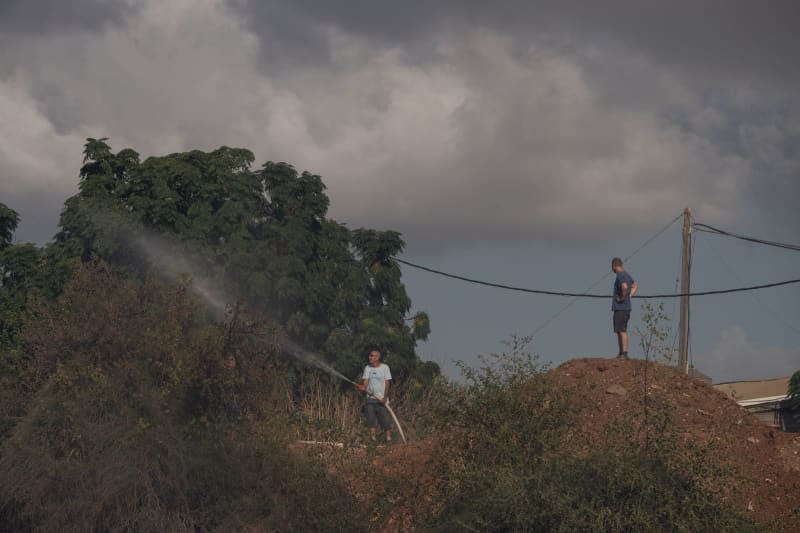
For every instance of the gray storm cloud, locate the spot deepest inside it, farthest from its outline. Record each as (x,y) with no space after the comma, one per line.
(447,123)
(733,38)
(46,16)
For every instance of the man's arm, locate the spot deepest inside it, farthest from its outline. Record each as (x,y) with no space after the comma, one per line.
(363,386)
(623,292)
(634,288)
(385,390)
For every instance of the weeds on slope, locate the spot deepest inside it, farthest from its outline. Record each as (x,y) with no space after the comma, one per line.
(506,469)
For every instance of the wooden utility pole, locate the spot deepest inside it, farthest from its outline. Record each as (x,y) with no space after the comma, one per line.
(686,261)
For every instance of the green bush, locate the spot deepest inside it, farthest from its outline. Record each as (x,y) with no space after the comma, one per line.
(505,469)
(131,419)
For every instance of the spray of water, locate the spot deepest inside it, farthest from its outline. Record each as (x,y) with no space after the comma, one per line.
(311,359)
(164,257)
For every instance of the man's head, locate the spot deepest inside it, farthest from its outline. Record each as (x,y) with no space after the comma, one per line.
(616,265)
(374,357)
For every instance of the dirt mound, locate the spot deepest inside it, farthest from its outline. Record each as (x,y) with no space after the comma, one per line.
(392,483)
(754,467)
(740,460)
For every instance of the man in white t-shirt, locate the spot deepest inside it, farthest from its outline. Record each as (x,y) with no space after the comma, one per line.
(376,384)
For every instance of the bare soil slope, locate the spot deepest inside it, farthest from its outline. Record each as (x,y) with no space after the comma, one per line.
(742,461)
(757,468)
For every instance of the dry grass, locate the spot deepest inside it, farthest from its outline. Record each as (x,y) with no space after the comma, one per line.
(324,410)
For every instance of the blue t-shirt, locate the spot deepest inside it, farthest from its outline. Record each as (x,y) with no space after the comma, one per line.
(624,305)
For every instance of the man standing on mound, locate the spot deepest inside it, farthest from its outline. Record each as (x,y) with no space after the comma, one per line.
(376,384)
(624,288)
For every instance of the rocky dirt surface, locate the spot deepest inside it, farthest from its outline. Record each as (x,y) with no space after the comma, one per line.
(730,452)
(744,462)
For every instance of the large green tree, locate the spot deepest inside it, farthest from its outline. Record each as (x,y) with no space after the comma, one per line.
(263,234)
(190,440)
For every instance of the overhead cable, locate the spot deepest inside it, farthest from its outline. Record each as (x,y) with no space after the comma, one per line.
(606,275)
(584,295)
(777,316)
(710,229)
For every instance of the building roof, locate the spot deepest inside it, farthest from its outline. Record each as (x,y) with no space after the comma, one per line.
(755,390)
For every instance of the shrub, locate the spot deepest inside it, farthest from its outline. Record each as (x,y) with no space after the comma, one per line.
(505,469)
(133,419)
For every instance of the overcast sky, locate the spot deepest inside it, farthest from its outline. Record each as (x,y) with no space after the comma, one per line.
(524,141)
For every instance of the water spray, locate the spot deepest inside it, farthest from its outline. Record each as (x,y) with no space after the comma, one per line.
(162,255)
(307,357)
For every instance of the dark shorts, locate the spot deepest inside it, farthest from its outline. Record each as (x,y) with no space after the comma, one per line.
(621,321)
(376,412)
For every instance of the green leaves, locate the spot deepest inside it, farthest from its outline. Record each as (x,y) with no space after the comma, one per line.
(8,224)
(120,419)
(794,391)
(421,327)
(654,337)
(265,233)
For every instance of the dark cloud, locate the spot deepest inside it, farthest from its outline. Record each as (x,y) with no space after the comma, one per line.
(288,36)
(23,22)
(738,59)
(461,124)
(775,184)
(447,120)
(298,22)
(44,16)
(720,37)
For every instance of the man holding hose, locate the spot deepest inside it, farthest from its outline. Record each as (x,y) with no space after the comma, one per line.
(376,384)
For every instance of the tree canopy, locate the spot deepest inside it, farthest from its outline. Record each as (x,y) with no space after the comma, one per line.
(124,404)
(263,233)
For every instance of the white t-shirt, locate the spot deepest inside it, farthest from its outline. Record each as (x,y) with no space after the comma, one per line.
(376,379)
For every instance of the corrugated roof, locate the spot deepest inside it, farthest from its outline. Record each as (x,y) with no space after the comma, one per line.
(750,390)
(762,401)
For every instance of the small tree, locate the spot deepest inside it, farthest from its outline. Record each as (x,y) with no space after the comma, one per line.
(653,338)
(794,393)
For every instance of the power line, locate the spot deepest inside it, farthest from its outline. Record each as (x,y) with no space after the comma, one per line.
(584,295)
(710,229)
(777,316)
(607,274)
(651,239)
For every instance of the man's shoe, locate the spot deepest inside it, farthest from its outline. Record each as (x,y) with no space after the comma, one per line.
(623,356)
